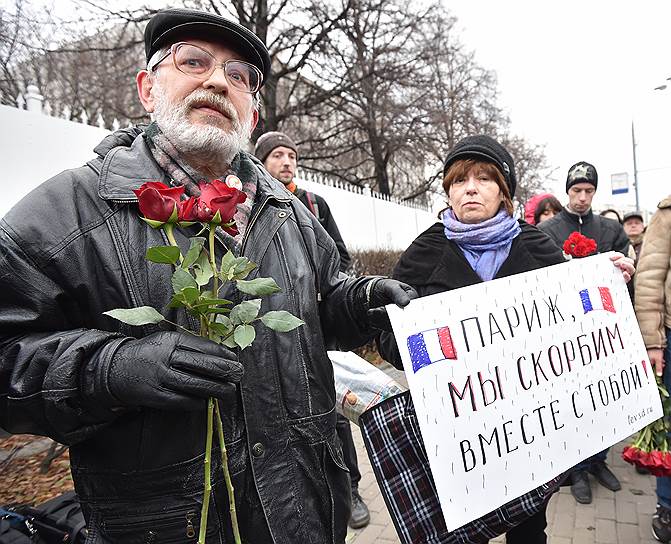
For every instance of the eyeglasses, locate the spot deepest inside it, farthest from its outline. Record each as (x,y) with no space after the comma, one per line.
(198,63)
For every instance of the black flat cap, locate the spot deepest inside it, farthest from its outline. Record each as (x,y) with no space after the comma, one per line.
(169,25)
(484,148)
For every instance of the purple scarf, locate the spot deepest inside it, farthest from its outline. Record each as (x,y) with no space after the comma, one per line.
(485,245)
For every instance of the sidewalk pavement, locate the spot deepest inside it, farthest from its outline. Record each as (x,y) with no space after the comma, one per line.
(612,518)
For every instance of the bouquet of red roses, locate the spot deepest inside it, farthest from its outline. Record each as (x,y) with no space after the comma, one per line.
(196,284)
(650,448)
(577,245)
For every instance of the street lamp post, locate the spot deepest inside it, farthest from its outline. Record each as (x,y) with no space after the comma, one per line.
(633,150)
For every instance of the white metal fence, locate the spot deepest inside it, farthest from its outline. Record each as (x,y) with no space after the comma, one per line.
(35,145)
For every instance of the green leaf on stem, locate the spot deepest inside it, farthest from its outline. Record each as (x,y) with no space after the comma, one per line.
(258,286)
(244,335)
(163,254)
(181,279)
(281,321)
(203,269)
(226,262)
(153,223)
(195,249)
(143,315)
(221,329)
(246,311)
(205,302)
(229,342)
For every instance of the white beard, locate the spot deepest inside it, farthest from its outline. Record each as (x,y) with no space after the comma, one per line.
(207,144)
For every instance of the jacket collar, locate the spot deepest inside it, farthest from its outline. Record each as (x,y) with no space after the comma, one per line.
(126,167)
(573,217)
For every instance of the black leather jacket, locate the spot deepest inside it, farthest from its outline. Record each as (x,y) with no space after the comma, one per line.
(608,233)
(74,248)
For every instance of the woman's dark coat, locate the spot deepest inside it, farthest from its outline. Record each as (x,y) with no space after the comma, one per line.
(433,264)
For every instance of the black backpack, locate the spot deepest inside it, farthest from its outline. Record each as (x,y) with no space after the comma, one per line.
(59,520)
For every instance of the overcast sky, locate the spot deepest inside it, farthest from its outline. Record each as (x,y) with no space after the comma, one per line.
(573,74)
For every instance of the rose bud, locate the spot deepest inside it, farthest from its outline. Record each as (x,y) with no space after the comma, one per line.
(157,201)
(219,197)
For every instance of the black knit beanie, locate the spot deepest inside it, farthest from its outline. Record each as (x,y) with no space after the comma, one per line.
(269,141)
(581,172)
(487,149)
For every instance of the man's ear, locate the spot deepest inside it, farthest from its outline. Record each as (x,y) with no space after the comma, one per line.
(145,84)
(255,119)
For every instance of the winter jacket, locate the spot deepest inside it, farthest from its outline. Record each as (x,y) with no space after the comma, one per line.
(433,264)
(608,233)
(653,278)
(75,248)
(318,206)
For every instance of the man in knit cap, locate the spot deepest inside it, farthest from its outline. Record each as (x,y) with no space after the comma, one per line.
(577,216)
(279,155)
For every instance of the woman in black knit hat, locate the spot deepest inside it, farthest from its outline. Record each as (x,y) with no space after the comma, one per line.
(478,240)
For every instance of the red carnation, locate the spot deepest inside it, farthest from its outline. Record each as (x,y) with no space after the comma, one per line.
(578,245)
(158,201)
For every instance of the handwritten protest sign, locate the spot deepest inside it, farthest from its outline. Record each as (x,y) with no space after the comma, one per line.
(518,379)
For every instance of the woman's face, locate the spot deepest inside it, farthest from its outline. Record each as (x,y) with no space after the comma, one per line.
(547,213)
(476,197)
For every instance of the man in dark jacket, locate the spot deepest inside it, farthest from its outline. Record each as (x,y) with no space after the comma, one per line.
(279,155)
(577,216)
(130,401)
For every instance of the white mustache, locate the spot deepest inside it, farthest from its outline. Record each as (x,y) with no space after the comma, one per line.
(217,102)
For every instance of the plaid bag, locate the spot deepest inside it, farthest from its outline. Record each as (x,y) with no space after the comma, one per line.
(396,451)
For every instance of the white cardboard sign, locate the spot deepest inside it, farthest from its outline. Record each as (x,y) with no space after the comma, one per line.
(517,379)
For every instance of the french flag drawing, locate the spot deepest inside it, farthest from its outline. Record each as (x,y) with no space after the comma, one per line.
(430,346)
(597,298)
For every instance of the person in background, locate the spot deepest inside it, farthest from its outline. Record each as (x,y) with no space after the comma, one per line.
(531,205)
(634,227)
(546,209)
(653,311)
(610,213)
(279,155)
(581,185)
(478,240)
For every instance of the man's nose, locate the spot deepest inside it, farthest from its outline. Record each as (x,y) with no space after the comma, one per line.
(217,81)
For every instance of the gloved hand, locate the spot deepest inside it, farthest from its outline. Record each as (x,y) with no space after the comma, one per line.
(383,291)
(171,370)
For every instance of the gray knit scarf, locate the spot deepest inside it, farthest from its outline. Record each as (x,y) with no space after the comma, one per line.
(180,173)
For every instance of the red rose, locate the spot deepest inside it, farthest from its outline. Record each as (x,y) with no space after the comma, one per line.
(218,197)
(186,210)
(158,201)
(578,245)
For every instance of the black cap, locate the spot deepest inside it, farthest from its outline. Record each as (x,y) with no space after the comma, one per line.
(581,172)
(629,215)
(487,149)
(269,141)
(167,26)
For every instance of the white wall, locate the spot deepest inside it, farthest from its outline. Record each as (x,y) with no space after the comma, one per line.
(35,147)
(366,222)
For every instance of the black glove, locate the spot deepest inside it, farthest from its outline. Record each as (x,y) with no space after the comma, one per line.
(383,291)
(171,371)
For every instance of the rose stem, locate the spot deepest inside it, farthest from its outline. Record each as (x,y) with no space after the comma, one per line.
(208,481)
(227,475)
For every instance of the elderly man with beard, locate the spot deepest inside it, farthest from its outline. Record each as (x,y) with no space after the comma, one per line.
(130,401)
